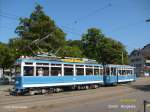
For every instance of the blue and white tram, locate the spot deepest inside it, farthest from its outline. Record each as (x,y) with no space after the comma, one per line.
(119,74)
(39,74)
(43,75)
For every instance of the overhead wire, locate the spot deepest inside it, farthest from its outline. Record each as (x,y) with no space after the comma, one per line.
(16,18)
(9,14)
(92,13)
(71,30)
(128,25)
(68,28)
(9,17)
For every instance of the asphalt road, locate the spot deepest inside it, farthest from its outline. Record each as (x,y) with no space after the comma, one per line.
(122,98)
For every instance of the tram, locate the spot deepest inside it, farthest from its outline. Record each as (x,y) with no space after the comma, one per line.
(43,75)
(115,74)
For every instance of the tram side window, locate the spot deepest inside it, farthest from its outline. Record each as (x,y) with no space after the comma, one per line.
(101,71)
(96,72)
(79,71)
(129,72)
(55,71)
(119,72)
(68,71)
(42,71)
(28,70)
(89,71)
(113,71)
(124,72)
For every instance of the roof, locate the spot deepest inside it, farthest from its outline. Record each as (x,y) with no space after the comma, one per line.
(51,61)
(60,62)
(120,66)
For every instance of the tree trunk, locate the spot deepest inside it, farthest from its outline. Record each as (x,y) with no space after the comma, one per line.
(3,71)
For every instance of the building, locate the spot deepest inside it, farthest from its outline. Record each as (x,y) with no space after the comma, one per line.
(141,60)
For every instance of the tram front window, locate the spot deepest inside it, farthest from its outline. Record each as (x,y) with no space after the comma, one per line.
(28,71)
(17,70)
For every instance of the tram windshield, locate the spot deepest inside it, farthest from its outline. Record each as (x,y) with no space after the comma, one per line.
(17,70)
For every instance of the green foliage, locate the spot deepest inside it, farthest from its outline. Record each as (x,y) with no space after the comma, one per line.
(71,51)
(6,56)
(104,50)
(73,48)
(74,43)
(90,42)
(38,26)
(19,46)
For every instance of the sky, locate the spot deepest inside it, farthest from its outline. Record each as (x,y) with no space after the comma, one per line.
(122,20)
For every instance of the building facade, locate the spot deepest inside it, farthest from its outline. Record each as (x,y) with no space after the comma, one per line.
(140,59)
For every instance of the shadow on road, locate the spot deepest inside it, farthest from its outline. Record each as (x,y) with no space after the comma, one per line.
(145,88)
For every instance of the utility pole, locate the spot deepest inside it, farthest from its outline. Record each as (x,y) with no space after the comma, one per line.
(146,104)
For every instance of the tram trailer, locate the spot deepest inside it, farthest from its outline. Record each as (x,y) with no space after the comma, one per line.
(116,74)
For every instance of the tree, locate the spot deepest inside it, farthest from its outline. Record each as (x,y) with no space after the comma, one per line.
(90,42)
(73,48)
(77,43)
(104,50)
(73,51)
(19,46)
(38,26)
(6,57)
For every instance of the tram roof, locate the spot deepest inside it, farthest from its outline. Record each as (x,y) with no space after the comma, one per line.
(52,61)
(120,66)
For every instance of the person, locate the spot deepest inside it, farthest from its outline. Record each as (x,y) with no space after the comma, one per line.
(96,73)
(59,74)
(40,72)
